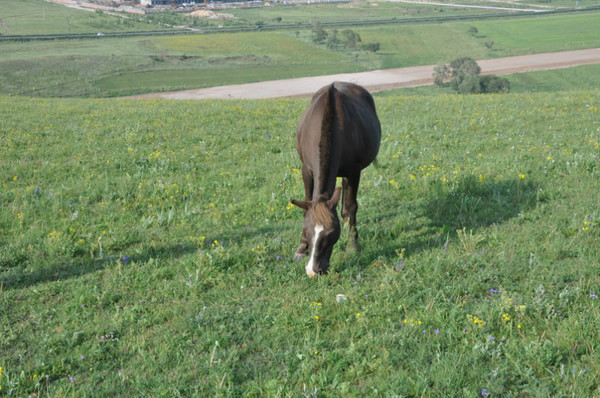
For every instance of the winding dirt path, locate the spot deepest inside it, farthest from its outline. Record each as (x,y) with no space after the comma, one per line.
(378,80)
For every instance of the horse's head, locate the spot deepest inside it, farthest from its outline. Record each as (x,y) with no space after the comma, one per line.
(321,229)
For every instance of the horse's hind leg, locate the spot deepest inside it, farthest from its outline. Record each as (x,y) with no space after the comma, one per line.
(350,208)
(307,178)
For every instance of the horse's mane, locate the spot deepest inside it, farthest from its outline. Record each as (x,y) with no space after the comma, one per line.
(328,125)
(321,215)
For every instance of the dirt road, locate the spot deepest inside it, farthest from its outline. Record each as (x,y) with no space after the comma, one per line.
(382,79)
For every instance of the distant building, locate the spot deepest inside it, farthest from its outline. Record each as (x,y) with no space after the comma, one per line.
(163,2)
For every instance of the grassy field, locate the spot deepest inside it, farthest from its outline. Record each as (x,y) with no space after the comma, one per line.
(145,250)
(113,67)
(25,17)
(568,79)
(340,12)
(22,17)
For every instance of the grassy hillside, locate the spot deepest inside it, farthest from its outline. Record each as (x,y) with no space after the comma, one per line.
(113,67)
(39,17)
(22,17)
(145,249)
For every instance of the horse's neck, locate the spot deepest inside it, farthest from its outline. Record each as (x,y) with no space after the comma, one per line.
(324,180)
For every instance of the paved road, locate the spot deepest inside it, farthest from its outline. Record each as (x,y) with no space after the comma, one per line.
(382,79)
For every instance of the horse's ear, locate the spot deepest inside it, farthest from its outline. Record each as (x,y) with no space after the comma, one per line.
(303,204)
(335,198)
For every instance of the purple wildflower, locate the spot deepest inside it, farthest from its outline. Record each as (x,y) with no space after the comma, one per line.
(593,295)
(437,331)
(125,259)
(491,338)
(71,379)
(484,392)
(495,291)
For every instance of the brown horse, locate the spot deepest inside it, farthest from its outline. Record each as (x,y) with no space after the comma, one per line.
(338,135)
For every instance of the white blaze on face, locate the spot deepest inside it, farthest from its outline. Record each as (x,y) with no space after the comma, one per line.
(313,255)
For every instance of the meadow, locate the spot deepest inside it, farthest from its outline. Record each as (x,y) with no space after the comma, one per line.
(110,67)
(145,249)
(38,17)
(25,17)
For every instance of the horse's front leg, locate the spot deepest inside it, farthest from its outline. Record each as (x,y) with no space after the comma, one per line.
(307,178)
(350,208)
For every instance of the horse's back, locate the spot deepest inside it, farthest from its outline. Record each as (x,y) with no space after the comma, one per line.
(361,130)
(346,113)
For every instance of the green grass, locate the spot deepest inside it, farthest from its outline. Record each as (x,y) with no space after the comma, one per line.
(111,66)
(567,79)
(145,250)
(24,17)
(556,80)
(346,11)
(38,17)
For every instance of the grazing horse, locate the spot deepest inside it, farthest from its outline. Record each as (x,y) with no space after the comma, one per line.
(338,135)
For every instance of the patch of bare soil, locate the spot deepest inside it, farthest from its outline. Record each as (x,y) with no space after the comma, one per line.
(383,79)
(207,14)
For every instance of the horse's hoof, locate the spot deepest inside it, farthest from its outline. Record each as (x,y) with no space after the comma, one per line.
(298,256)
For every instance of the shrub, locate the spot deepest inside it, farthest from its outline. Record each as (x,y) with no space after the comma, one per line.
(494,84)
(464,73)
(373,47)
(319,35)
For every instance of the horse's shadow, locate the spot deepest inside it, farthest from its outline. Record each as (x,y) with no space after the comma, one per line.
(18,274)
(468,205)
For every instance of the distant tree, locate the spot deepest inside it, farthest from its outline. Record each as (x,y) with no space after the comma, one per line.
(350,38)
(347,38)
(441,73)
(332,39)
(473,30)
(463,69)
(464,78)
(489,44)
(319,35)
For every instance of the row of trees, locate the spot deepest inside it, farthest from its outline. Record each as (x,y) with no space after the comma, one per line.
(346,39)
(463,76)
